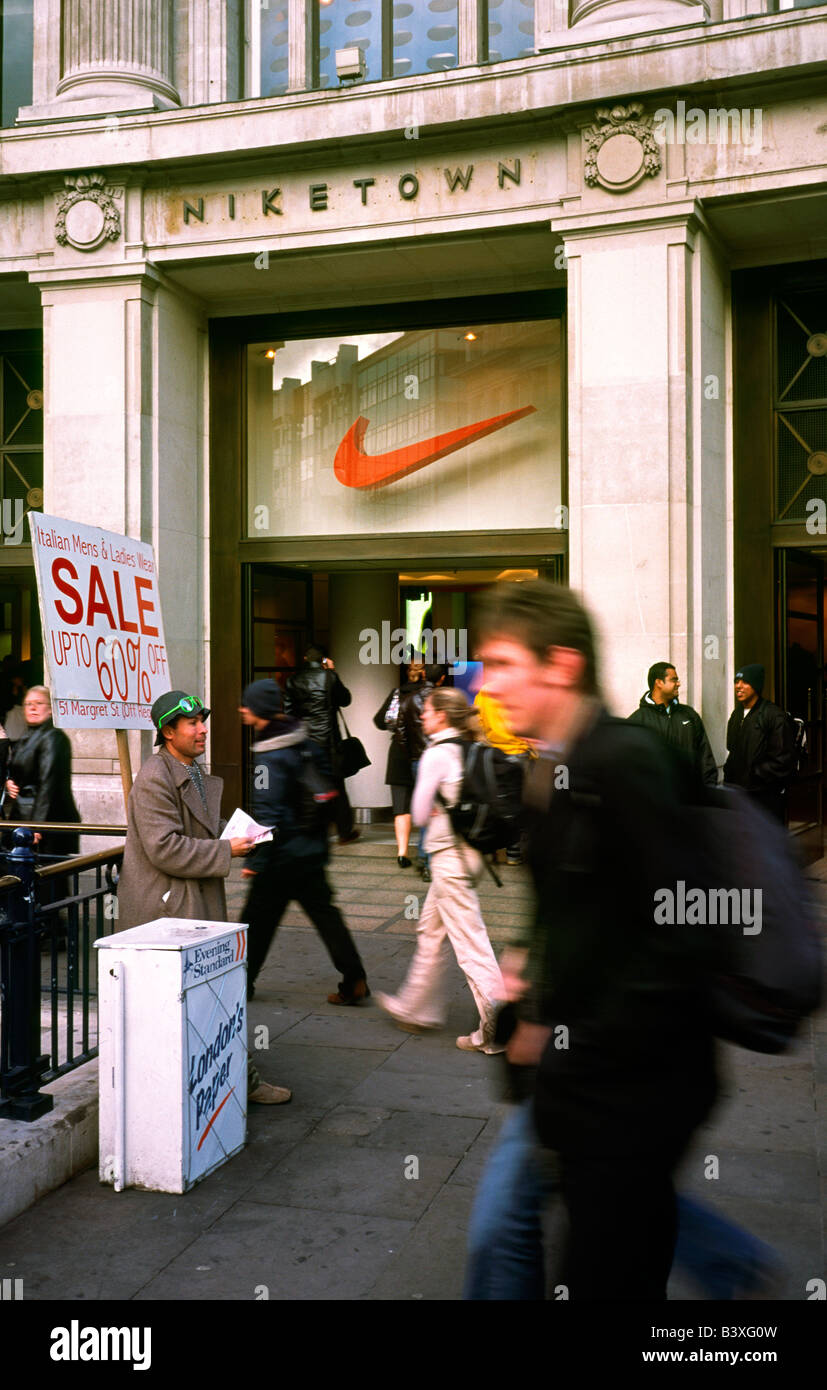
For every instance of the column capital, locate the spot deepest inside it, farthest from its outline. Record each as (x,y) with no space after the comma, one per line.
(686,216)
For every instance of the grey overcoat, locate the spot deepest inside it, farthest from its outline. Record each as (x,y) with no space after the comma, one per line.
(172,845)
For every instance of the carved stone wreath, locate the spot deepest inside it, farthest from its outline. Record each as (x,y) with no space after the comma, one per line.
(620,148)
(87,216)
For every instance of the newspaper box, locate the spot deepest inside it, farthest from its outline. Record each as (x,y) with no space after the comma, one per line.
(172,1002)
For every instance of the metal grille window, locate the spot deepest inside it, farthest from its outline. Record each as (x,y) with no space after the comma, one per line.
(21,436)
(16,58)
(800,406)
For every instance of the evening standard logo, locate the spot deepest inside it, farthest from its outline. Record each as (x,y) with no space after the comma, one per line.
(76,1343)
(204,961)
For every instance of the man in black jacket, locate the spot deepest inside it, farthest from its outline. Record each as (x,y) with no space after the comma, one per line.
(314,695)
(681,725)
(613,1015)
(291,866)
(759,739)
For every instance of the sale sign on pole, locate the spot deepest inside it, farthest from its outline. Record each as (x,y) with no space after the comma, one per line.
(103,636)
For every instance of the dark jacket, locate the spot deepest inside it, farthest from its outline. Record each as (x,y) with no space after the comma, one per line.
(174,864)
(276,798)
(635,1069)
(761,753)
(314,695)
(407,734)
(41,765)
(683,728)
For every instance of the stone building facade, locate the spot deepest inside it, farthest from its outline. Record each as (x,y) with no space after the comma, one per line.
(603,219)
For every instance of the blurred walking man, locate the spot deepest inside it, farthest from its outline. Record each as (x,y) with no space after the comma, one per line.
(611,1010)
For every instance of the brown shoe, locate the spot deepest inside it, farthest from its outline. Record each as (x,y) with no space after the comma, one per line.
(354,995)
(348,839)
(265,1094)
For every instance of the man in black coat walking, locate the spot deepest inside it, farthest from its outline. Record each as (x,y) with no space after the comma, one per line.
(681,725)
(759,739)
(611,1006)
(292,865)
(315,695)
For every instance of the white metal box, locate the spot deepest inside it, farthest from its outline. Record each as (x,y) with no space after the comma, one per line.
(172,1001)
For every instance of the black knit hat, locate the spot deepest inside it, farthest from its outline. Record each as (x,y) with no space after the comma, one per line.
(263,698)
(753,675)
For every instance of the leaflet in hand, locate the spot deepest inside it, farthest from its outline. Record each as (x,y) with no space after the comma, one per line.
(242,826)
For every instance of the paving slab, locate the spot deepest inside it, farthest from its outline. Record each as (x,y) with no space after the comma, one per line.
(430,1263)
(423,1134)
(320,1175)
(261,1252)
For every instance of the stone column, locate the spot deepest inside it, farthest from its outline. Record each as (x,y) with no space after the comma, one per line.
(608,19)
(125,385)
(117,55)
(649,456)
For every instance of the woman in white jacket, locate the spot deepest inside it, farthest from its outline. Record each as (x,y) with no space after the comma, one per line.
(451,911)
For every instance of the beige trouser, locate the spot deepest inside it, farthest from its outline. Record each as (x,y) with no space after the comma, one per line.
(451,912)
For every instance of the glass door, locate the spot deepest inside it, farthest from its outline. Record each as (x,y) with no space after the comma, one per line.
(802,686)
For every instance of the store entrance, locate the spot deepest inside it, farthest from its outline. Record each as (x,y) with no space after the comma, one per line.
(371,622)
(802,575)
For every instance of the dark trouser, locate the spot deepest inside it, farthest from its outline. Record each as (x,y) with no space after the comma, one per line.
(342,812)
(623,1225)
(305,881)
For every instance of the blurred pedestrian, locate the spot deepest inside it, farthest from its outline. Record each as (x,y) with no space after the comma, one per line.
(292,865)
(39,780)
(497,731)
(400,714)
(315,695)
(611,1011)
(760,742)
(451,912)
(681,725)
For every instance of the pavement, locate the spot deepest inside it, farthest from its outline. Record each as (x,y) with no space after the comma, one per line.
(361,1187)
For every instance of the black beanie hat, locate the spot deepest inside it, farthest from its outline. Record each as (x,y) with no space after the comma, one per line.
(264,698)
(753,675)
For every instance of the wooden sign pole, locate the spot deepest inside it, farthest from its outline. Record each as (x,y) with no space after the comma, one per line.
(122,736)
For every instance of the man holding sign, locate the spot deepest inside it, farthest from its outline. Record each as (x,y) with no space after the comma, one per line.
(174,864)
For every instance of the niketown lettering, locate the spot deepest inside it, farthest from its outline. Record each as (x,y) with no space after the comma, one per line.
(354,468)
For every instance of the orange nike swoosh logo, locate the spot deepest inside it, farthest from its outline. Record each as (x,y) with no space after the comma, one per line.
(354,468)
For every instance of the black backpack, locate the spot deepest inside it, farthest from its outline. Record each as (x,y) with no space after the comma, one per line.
(315,795)
(487,814)
(768,974)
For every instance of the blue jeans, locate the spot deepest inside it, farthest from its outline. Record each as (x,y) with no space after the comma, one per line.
(505,1237)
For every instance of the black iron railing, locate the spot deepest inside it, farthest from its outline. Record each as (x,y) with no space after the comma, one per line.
(50,913)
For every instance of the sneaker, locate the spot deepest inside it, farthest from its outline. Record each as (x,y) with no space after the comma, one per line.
(265,1094)
(467,1044)
(388,1005)
(350,994)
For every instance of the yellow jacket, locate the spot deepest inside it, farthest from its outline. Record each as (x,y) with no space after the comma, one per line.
(495,726)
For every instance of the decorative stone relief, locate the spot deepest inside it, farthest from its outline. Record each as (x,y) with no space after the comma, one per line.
(87,215)
(620,148)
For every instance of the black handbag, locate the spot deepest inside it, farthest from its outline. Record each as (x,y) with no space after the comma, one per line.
(350,756)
